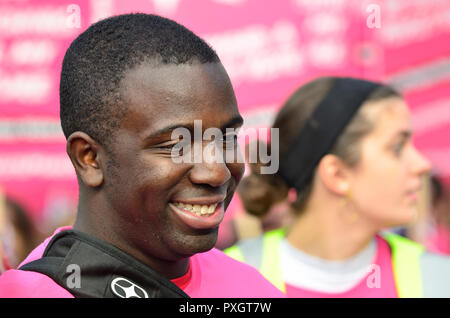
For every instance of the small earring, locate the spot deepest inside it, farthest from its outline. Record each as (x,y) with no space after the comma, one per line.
(345,201)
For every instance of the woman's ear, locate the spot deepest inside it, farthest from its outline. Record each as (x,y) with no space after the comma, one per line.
(84,154)
(334,174)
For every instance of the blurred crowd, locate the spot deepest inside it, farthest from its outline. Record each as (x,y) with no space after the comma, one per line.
(20,233)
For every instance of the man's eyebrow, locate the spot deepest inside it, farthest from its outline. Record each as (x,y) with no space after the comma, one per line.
(235,121)
(170,128)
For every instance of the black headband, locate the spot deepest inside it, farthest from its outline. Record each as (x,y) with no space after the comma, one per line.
(323,128)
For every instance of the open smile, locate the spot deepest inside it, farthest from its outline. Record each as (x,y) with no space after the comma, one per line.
(200,214)
(197,208)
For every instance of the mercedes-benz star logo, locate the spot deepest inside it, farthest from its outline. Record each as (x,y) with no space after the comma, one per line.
(124,288)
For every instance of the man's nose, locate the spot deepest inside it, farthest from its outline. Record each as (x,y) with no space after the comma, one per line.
(211,169)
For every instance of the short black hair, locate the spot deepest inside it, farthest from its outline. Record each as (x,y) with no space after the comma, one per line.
(97,59)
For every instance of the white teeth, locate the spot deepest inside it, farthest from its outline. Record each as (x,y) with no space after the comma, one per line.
(196,208)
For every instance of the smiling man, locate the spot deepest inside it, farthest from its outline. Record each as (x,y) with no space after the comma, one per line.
(146,223)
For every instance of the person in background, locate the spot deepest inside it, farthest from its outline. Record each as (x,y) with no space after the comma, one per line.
(345,147)
(438,236)
(18,235)
(248,224)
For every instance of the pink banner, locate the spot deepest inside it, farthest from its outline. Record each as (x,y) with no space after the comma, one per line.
(268,47)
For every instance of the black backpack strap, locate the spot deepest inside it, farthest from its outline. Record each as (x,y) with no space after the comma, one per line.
(46,265)
(103,269)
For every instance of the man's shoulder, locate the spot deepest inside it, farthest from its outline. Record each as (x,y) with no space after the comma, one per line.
(16,283)
(218,258)
(243,279)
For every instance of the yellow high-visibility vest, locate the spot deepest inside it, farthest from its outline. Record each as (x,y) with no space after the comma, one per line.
(406,260)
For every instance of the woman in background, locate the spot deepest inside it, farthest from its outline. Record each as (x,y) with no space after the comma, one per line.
(438,236)
(345,147)
(18,235)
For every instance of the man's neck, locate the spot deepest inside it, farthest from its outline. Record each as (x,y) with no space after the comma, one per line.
(169,269)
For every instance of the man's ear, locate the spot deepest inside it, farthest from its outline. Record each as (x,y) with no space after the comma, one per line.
(334,174)
(84,154)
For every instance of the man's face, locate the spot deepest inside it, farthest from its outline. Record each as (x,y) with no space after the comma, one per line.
(145,186)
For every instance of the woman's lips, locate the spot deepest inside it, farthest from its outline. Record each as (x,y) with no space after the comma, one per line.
(412,197)
(197,218)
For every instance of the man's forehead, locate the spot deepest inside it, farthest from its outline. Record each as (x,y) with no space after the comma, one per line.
(175,79)
(235,121)
(152,127)
(165,95)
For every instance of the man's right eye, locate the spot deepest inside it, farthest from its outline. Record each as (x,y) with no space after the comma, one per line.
(174,148)
(167,145)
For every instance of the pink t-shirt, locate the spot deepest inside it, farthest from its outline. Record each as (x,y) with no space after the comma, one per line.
(387,288)
(438,241)
(211,275)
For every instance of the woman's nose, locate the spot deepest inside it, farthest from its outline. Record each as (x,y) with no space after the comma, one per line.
(421,164)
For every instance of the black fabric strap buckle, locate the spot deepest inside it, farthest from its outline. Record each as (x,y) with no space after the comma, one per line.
(105,271)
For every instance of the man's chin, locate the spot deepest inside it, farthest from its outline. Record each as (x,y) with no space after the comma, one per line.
(199,244)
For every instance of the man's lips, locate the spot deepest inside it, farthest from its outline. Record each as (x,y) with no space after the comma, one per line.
(199,209)
(201,200)
(199,213)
